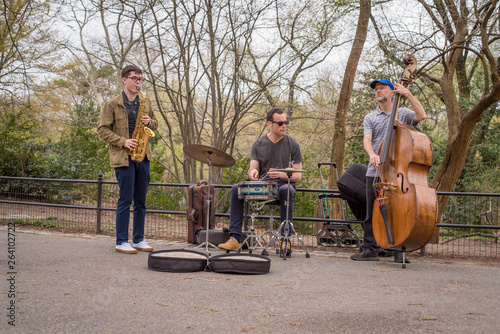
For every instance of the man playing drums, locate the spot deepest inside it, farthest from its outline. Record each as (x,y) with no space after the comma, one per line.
(272,151)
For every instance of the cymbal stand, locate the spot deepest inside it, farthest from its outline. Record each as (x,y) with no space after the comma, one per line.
(252,237)
(287,226)
(207,243)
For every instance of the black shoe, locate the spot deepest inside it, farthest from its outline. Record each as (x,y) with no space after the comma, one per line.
(385,252)
(366,255)
(398,258)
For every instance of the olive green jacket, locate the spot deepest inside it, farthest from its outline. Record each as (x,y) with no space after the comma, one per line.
(113,128)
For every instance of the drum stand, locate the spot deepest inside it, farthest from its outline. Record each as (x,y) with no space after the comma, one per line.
(252,237)
(287,226)
(207,243)
(210,155)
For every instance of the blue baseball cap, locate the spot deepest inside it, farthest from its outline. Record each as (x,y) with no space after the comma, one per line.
(385,82)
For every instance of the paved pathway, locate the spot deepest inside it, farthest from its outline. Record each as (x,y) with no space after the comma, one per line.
(67,283)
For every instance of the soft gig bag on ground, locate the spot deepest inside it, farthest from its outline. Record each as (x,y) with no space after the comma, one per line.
(177,261)
(197,210)
(249,264)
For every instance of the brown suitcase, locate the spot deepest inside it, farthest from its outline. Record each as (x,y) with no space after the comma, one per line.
(197,210)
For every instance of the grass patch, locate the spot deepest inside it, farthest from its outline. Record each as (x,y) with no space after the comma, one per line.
(38,222)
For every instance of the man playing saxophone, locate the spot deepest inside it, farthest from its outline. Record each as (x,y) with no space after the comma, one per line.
(119,119)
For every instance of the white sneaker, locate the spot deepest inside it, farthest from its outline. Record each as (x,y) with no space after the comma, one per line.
(125,248)
(143,246)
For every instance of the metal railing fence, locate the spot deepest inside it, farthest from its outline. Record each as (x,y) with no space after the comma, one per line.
(469,226)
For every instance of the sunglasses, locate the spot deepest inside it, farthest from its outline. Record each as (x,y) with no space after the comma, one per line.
(281,123)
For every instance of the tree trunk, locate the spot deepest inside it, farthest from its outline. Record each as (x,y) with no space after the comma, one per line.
(453,161)
(339,135)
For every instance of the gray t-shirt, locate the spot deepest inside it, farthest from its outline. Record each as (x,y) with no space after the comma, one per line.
(375,123)
(271,155)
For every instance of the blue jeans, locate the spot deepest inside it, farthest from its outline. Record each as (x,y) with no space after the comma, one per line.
(133,182)
(237,208)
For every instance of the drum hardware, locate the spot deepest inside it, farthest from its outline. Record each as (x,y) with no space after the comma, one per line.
(212,157)
(273,234)
(266,191)
(289,171)
(286,226)
(335,235)
(257,194)
(251,238)
(202,153)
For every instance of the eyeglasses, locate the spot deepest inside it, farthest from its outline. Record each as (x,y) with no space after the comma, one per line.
(135,79)
(281,123)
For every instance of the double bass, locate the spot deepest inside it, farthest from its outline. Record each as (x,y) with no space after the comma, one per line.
(405,212)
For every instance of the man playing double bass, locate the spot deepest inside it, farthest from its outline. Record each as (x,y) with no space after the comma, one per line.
(375,125)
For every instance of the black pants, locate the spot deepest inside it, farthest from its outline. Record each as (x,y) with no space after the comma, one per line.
(369,242)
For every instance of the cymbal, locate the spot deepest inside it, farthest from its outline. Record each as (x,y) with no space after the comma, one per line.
(290,170)
(202,153)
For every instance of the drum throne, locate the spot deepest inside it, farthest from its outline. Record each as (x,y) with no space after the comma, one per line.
(251,240)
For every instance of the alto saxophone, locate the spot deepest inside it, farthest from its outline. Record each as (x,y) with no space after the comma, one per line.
(141,132)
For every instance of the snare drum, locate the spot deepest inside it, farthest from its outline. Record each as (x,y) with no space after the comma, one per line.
(258,190)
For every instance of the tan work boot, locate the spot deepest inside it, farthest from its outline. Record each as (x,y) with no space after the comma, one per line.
(282,248)
(231,245)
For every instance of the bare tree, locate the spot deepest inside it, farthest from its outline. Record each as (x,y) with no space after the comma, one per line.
(106,39)
(25,48)
(308,29)
(200,49)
